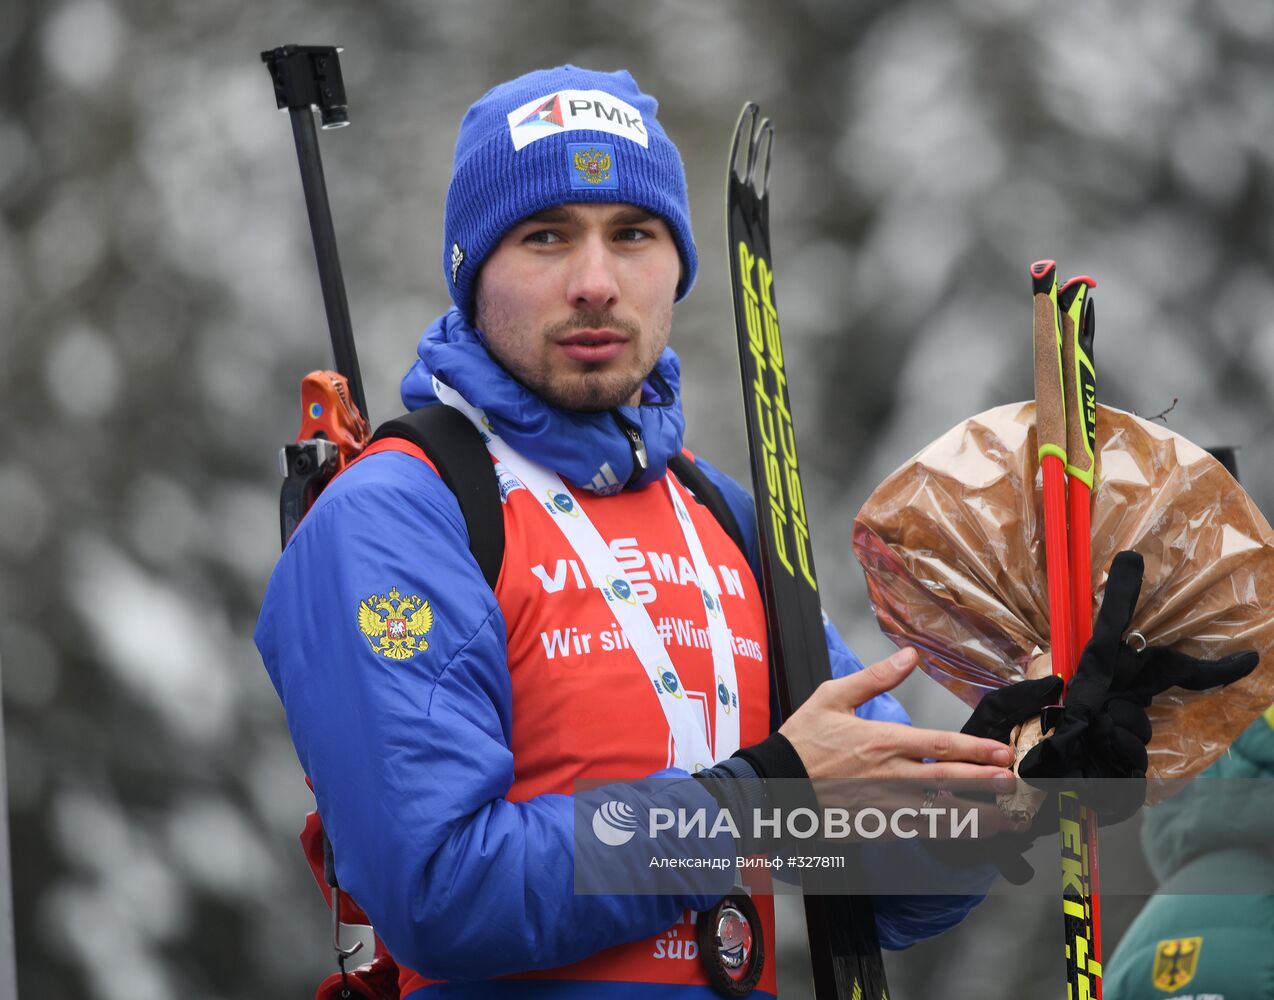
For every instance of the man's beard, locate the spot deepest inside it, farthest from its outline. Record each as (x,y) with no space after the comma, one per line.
(590,391)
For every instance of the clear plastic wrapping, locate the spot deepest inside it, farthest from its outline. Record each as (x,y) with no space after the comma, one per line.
(952,545)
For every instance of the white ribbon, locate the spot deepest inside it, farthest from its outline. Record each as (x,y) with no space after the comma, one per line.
(692,748)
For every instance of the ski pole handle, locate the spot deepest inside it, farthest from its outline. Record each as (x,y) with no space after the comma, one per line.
(1075,304)
(1050,405)
(308,78)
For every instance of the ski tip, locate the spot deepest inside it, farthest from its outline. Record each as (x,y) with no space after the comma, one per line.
(746,126)
(762,157)
(752,149)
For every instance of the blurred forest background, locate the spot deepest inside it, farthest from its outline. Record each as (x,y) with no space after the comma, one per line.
(160,305)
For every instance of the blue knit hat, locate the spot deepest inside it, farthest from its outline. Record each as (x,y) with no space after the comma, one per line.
(548,138)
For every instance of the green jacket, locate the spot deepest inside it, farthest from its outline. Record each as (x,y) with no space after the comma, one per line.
(1207,947)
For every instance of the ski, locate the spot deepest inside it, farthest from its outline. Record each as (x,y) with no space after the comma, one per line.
(844,950)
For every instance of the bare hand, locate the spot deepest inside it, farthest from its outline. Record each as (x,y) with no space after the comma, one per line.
(833,742)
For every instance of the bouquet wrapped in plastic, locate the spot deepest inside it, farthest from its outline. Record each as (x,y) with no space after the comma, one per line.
(952,544)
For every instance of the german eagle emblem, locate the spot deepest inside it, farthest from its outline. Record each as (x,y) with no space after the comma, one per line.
(593,165)
(1175,962)
(395,625)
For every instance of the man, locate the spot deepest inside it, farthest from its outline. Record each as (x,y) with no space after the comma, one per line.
(443,725)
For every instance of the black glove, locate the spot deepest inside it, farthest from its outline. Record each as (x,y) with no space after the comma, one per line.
(994,718)
(1002,709)
(1104,729)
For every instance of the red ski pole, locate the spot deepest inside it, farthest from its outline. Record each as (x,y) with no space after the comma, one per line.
(1050,433)
(1050,429)
(1075,304)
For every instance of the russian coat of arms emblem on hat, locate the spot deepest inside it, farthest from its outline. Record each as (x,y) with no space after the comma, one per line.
(592,165)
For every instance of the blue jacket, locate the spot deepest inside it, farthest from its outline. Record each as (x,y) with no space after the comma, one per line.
(411,766)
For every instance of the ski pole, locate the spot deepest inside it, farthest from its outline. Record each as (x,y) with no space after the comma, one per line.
(1050,433)
(308,78)
(1050,428)
(1075,303)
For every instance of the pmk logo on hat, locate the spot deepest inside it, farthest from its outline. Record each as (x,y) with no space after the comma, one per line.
(573,110)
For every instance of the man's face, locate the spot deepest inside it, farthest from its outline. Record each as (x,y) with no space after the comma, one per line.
(576,302)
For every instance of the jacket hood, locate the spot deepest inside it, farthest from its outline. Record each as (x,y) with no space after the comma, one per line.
(592,451)
(1206,817)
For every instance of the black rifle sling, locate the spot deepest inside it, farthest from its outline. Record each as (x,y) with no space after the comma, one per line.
(457,452)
